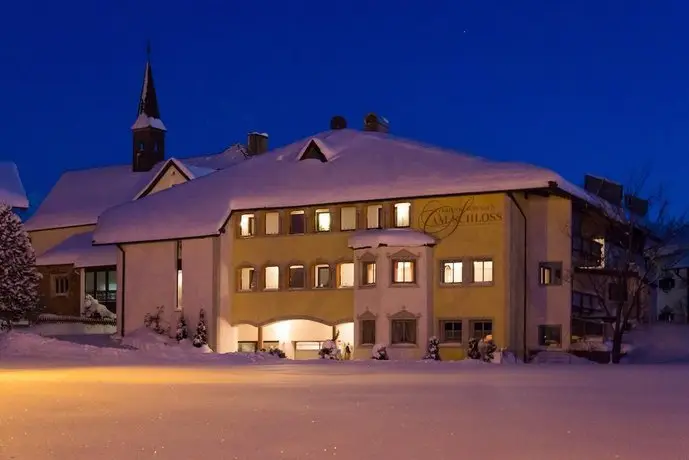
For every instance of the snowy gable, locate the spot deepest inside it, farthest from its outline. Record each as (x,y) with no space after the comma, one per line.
(79,251)
(144,121)
(11,188)
(369,166)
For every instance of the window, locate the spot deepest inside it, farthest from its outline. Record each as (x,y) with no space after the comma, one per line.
(297,222)
(550,273)
(402,214)
(297,279)
(481,328)
(178,304)
(60,285)
(584,304)
(451,331)
(452,272)
(322,278)
(550,335)
(323,220)
(247,225)
(101,284)
(272,278)
(345,274)
(374,216)
(368,273)
(272,223)
(368,332)
(247,279)
(348,218)
(403,271)
(483,271)
(403,331)
(617,292)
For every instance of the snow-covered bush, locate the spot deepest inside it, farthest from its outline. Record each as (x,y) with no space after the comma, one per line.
(96,310)
(182,330)
(329,350)
(433,350)
(380,352)
(487,348)
(201,335)
(156,321)
(19,277)
(472,350)
(275,351)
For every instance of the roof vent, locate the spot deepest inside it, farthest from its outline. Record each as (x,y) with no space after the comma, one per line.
(374,123)
(257,143)
(338,122)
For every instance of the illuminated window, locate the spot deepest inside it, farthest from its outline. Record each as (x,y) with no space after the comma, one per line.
(452,272)
(550,273)
(345,274)
(272,278)
(297,222)
(247,225)
(323,220)
(483,271)
(402,214)
(403,271)
(272,223)
(297,277)
(178,302)
(368,273)
(322,278)
(374,216)
(247,279)
(348,218)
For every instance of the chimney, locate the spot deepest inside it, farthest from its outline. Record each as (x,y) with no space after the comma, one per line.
(338,122)
(374,123)
(257,143)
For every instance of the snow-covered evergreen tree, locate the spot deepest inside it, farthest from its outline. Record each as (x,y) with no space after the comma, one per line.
(182,330)
(19,277)
(201,336)
(433,350)
(379,352)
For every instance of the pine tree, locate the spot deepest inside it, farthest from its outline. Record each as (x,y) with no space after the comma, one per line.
(201,336)
(433,350)
(182,330)
(19,277)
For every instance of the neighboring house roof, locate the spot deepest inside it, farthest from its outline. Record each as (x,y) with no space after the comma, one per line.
(78,250)
(79,197)
(347,166)
(11,189)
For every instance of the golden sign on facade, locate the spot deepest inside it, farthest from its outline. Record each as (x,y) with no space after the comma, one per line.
(441,220)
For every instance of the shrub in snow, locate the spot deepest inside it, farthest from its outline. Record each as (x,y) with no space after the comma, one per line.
(379,352)
(201,336)
(19,277)
(329,350)
(182,330)
(96,310)
(487,348)
(472,351)
(156,321)
(275,351)
(433,350)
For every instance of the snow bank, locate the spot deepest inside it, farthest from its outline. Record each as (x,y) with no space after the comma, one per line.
(559,357)
(658,343)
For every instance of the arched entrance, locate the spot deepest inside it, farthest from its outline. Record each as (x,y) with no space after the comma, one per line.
(298,338)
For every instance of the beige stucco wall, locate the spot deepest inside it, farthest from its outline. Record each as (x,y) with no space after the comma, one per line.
(171,177)
(42,240)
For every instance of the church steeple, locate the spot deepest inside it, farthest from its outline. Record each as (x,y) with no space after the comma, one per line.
(148,130)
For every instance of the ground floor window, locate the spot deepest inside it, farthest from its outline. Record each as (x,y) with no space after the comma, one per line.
(481,328)
(550,335)
(403,331)
(368,332)
(101,284)
(451,331)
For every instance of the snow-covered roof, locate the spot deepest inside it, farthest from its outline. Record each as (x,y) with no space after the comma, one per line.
(360,166)
(79,197)
(11,188)
(403,237)
(192,172)
(144,121)
(78,250)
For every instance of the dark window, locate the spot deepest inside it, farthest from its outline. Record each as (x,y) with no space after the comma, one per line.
(584,304)
(550,273)
(322,276)
(451,331)
(368,273)
(480,329)
(617,292)
(403,331)
(368,331)
(297,222)
(296,276)
(179,255)
(60,285)
(550,335)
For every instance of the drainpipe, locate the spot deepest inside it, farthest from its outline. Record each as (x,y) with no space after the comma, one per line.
(124,265)
(526,279)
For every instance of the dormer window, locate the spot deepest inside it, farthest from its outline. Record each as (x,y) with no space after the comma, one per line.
(313,152)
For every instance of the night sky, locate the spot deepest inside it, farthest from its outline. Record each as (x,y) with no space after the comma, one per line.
(577,86)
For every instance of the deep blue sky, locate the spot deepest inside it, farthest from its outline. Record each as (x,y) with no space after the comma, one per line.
(578,86)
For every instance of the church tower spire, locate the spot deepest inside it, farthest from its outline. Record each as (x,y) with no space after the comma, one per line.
(148,130)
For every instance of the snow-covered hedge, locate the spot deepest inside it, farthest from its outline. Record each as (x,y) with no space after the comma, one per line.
(96,310)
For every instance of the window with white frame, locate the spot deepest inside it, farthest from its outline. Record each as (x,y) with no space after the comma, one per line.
(403,271)
(247,279)
(452,272)
(247,225)
(374,216)
(483,271)
(402,214)
(272,223)
(345,275)
(322,276)
(348,218)
(297,222)
(323,221)
(271,278)
(297,277)
(368,273)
